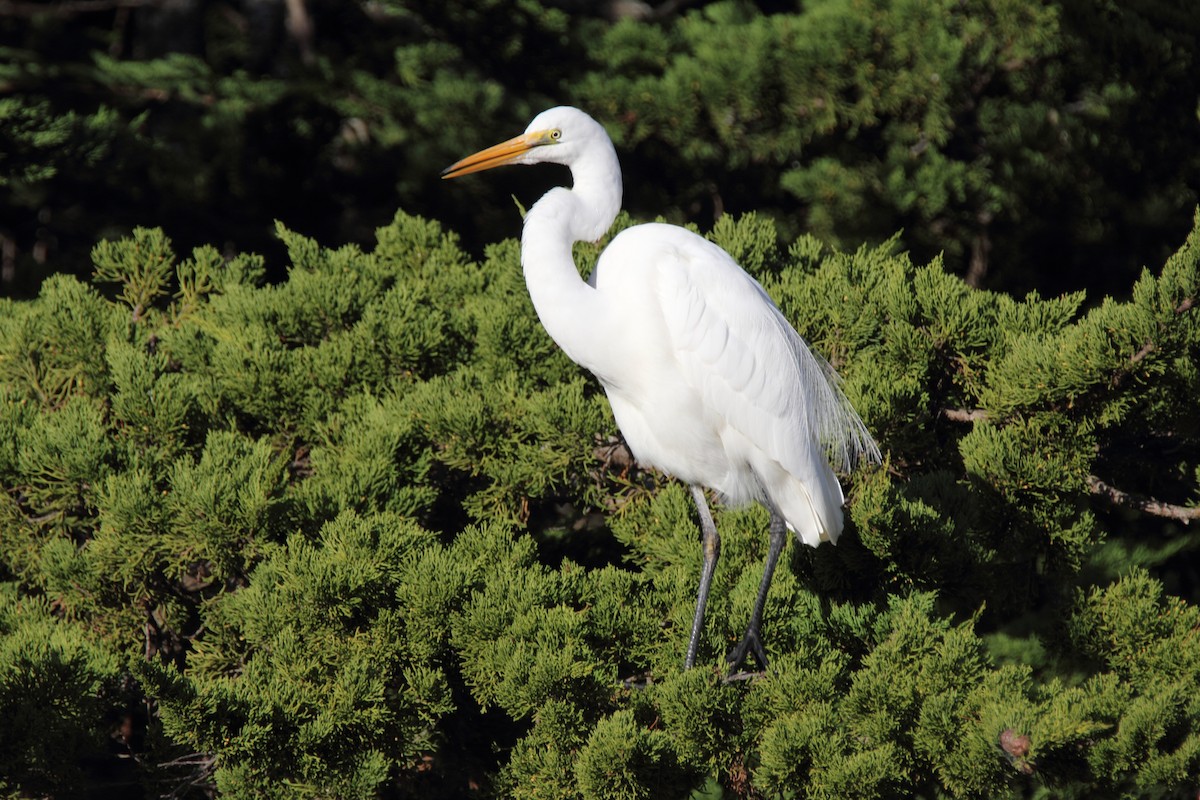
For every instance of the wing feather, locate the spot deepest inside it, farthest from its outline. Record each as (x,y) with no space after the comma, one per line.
(752,368)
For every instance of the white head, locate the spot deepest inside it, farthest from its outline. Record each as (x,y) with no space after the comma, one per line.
(559,135)
(563,135)
(568,135)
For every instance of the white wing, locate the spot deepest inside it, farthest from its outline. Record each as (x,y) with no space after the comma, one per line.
(754,371)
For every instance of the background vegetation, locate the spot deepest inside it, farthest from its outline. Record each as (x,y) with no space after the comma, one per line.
(1046,145)
(338,520)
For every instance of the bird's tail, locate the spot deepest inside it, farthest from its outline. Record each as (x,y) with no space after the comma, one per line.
(811,505)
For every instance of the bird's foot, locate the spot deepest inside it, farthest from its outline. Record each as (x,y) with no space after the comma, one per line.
(750,643)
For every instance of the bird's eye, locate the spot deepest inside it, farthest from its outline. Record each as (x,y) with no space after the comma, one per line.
(556,134)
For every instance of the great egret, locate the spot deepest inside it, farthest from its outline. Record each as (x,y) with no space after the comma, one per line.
(707,380)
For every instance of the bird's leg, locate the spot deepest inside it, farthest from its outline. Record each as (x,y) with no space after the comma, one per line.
(712,551)
(752,640)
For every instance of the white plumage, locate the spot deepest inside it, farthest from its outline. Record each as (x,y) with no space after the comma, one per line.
(707,380)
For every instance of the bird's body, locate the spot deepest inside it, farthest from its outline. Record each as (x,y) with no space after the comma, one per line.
(701,371)
(707,380)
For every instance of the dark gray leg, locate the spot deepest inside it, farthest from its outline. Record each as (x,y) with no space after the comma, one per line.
(752,641)
(712,551)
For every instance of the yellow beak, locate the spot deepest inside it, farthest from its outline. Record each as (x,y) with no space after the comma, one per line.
(498,155)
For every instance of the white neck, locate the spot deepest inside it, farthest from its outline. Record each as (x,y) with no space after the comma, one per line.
(571,310)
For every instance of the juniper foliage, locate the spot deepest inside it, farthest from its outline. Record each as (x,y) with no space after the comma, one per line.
(367,533)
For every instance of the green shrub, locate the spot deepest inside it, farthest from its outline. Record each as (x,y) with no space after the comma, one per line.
(366,532)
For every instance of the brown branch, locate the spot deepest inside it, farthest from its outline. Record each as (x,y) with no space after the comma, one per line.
(1146,350)
(1148,505)
(299,26)
(981,248)
(743,676)
(67,8)
(643,11)
(963,414)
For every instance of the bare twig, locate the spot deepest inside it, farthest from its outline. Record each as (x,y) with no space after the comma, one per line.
(202,766)
(1148,505)
(190,760)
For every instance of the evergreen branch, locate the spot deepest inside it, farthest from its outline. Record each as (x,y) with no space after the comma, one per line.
(1146,349)
(1149,505)
(1115,381)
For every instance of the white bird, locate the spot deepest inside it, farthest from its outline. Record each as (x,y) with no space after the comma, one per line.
(707,380)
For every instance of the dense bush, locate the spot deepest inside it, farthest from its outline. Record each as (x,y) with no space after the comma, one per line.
(366,532)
